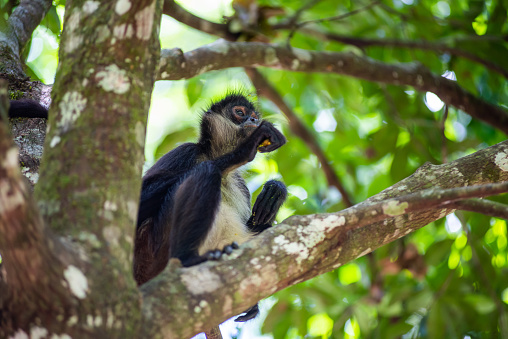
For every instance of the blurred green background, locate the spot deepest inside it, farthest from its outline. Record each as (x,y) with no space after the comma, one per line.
(447,280)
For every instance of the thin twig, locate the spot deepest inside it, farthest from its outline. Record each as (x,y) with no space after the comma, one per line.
(342,16)
(172,9)
(444,149)
(293,21)
(487,207)
(302,9)
(297,26)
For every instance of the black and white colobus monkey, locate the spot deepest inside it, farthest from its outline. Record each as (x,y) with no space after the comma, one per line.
(27,108)
(195,204)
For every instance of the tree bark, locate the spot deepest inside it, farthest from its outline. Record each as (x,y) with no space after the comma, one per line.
(90,181)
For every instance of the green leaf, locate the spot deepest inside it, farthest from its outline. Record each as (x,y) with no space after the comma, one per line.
(52,21)
(399,168)
(482,304)
(395,330)
(436,321)
(194,90)
(438,252)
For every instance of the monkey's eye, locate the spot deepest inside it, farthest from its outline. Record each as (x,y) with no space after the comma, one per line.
(239,111)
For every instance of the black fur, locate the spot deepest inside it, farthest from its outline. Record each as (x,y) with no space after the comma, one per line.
(182,193)
(27,108)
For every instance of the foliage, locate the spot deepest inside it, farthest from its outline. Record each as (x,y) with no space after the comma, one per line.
(446,280)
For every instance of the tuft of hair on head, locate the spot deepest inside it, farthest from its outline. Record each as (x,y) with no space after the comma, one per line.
(237,95)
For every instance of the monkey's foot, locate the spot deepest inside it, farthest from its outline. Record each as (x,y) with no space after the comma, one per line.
(251,313)
(217,254)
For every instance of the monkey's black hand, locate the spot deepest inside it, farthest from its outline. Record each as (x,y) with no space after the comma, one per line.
(265,138)
(267,205)
(273,141)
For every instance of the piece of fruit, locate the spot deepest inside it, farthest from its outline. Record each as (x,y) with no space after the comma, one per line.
(266,142)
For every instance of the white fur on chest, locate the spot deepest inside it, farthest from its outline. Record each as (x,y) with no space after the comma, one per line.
(230,221)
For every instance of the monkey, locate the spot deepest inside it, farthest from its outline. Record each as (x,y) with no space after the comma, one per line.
(27,108)
(194,203)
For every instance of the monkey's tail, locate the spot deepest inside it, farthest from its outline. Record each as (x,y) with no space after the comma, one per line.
(214,333)
(27,108)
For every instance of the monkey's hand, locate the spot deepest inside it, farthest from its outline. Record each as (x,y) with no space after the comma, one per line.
(272,139)
(267,205)
(265,138)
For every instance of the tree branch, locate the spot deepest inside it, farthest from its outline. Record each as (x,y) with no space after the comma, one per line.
(423,45)
(487,207)
(221,54)
(305,246)
(28,253)
(222,30)
(299,129)
(297,26)
(341,16)
(178,13)
(26,17)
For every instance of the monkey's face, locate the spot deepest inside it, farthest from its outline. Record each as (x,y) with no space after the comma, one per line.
(245,118)
(238,114)
(228,122)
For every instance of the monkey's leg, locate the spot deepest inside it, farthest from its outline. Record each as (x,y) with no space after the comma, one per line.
(263,215)
(267,205)
(195,205)
(251,313)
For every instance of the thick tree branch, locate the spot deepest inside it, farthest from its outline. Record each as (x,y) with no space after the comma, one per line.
(29,256)
(17,31)
(299,129)
(221,54)
(414,202)
(222,30)
(305,246)
(26,17)
(423,45)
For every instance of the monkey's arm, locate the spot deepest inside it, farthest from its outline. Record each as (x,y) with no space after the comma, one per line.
(267,205)
(160,180)
(27,109)
(246,151)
